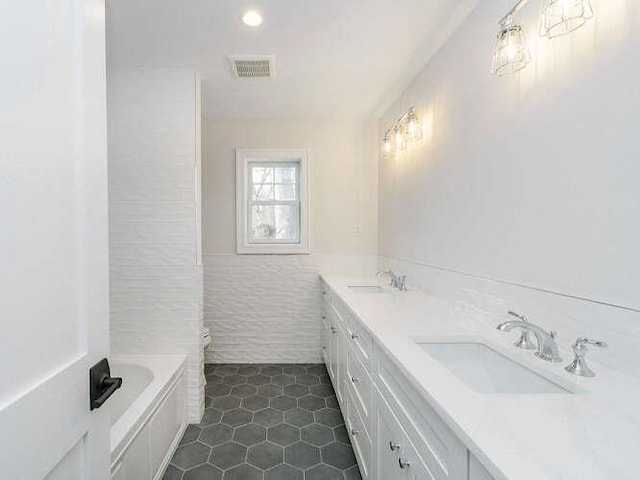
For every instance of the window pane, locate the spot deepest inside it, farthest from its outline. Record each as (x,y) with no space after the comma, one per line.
(262,192)
(286,192)
(275,222)
(285,174)
(261,175)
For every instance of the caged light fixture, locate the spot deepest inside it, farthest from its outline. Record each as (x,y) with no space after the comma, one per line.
(558,17)
(404,131)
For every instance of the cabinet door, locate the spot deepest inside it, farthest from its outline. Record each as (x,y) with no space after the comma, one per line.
(341,364)
(389,440)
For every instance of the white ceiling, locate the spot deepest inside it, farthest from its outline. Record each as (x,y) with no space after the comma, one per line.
(334,58)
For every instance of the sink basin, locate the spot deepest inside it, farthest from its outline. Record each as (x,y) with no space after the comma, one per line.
(369,289)
(484,370)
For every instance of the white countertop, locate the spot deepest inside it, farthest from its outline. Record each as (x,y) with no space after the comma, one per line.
(589,435)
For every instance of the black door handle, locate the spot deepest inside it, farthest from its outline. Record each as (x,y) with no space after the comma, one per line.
(101,384)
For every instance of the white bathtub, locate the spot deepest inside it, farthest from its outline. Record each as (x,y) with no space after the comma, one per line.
(148,414)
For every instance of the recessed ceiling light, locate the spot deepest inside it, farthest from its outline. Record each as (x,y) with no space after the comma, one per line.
(252,18)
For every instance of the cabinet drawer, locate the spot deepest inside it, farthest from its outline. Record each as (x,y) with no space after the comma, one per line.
(477,471)
(444,454)
(361,387)
(360,440)
(361,342)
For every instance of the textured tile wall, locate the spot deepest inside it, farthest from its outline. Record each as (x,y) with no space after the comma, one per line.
(266,308)
(490,300)
(156,281)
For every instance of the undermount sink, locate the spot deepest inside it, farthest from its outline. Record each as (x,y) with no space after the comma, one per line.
(369,289)
(484,370)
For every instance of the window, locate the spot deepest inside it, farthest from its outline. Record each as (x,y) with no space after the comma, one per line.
(272,201)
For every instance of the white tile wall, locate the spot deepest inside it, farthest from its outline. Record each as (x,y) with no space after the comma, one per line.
(156,281)
(489,300)
(266,308)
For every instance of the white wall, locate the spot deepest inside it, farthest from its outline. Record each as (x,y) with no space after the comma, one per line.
(266,308)
(156,275)
(528,180)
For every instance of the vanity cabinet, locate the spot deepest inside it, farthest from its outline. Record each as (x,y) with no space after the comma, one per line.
(394,431)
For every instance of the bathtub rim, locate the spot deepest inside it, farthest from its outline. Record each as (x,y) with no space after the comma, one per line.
(167,371)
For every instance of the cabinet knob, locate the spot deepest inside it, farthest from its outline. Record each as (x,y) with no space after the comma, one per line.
(355,432)
(334,330)
(355,336)
(355,379)
(403,464)
(324,317)
(394,446)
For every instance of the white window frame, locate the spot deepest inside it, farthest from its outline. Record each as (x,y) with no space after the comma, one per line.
(245,156)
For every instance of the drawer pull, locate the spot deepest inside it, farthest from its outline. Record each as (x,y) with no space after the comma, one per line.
(324,317)
(355,432)
(355,379)
(334,330)
(355,336)
(403,464)
(394,446)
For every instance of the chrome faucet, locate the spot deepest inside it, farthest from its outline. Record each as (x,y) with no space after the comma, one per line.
(395,281)
(547,346)
(579,365)
(525,341)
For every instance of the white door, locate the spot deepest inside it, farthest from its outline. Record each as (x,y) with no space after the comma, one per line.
(53,238)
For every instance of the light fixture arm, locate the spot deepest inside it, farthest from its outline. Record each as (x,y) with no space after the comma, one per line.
(515,9)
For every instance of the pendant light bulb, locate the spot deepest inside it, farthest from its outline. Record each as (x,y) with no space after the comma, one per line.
(413,127)
(512,53)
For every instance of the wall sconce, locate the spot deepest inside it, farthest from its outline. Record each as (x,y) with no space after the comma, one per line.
(405,130)
(558,17)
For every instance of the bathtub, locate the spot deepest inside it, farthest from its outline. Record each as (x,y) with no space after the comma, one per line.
(148,415)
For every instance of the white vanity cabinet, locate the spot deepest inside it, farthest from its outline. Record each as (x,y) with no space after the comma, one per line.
(395,433)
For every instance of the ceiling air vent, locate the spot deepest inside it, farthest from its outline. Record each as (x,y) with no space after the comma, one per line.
(252,66)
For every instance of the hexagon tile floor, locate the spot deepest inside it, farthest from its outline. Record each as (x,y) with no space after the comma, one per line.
(266,422)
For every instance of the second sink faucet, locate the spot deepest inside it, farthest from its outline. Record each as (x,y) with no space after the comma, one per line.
(547,346)
(396,281)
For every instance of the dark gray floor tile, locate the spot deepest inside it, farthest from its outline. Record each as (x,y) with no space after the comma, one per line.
(296,390)
(225,370)
(236,417)
(307,380)
(250,434)
(226,403)
(298,417)
(216,435)
(243,472)
(283,403)
(341,434)
(191,434)
(203,472)
(283,472)
(208,402)
(190,455)
(270,390)
(217,389)
(213,378)
(244,390)
(211,416)
(271,370)
(234,380)
(338,455)
(318,370)
(318,435)
(352,473)
(228,455)
(322,390)
(255,402)
(311,402)
(324,472)
(293,370)
(172,473)
(283,380)
(329,417)
(283,434)
(249,370)
(332,402)
(265,455)
(302,455)
(258,380)
(268,417)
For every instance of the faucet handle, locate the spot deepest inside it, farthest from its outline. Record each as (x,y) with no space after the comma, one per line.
(525,341)
(579,365)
